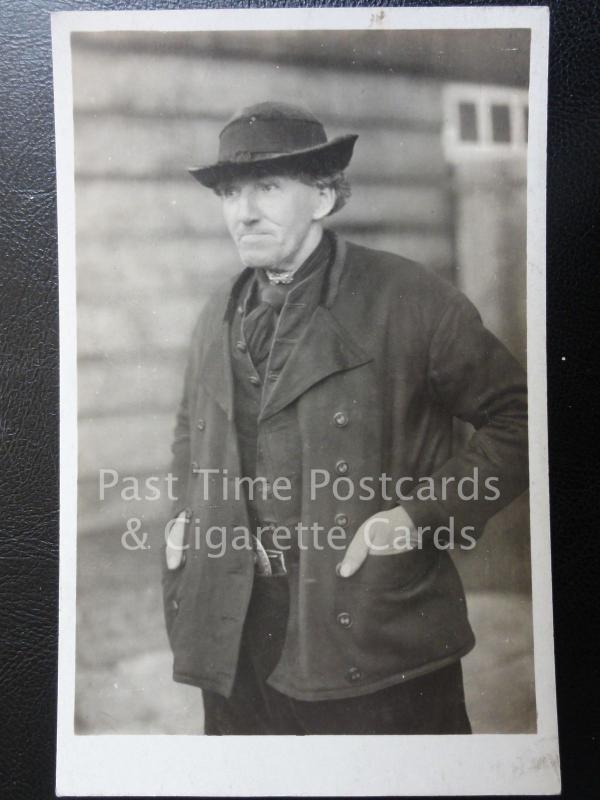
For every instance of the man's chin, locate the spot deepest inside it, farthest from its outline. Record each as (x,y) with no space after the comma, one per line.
(254,259)
(255,264)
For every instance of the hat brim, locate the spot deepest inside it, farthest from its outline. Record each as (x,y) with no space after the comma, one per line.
(333,156)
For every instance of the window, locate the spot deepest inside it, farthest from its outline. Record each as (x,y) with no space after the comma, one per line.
(500,122)
(484,120)
(468,122)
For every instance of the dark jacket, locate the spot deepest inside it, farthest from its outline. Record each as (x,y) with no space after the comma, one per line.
(391,355)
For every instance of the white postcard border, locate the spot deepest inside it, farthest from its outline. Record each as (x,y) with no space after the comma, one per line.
(321,765)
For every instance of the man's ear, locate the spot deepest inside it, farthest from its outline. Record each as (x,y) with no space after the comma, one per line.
(326,201)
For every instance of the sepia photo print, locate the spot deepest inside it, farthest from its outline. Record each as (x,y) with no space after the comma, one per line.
(304,471)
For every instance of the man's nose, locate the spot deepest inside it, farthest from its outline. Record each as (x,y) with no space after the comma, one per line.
(247,210)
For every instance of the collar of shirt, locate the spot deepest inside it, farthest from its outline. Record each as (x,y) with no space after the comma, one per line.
(261,289)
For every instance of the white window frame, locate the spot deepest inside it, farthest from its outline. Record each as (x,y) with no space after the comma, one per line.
(483,97)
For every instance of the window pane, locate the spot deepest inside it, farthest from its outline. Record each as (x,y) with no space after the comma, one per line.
(468,122)
(500,123)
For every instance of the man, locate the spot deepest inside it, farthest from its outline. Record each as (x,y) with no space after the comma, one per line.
(320,597)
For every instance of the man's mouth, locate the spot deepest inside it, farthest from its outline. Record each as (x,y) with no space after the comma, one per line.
(252,235)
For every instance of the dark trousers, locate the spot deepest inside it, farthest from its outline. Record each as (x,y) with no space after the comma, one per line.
(433,704)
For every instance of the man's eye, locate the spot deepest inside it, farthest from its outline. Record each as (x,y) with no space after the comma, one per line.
(228,191)
(268,186)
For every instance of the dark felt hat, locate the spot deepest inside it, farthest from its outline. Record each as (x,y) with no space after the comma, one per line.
(275,136)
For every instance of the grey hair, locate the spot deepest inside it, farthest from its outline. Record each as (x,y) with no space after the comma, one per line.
(336,181)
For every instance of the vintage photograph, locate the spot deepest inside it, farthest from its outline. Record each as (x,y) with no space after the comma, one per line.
(300,296)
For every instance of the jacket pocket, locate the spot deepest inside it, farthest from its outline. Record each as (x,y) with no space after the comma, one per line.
(397,571)
(393,623)
(171,589)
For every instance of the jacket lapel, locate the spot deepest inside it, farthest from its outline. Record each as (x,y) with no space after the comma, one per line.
(324,349)
(215,371)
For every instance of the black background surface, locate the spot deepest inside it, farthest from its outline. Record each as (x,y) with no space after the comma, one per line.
(29,468)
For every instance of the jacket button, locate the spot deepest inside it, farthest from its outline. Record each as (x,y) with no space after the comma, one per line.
(353,675)
(254,380)
(340,419)
(240,309)
(201,424)
(241,346)
(341,520)
(267,527)
(344,619)
(341,467)
(175,605)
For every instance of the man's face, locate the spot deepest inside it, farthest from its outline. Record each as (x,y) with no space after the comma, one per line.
(272,219)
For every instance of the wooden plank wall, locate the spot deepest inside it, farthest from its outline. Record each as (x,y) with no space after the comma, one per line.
(151,242)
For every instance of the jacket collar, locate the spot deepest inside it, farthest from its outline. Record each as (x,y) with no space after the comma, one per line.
(335,273)
(331,288)
(324,348)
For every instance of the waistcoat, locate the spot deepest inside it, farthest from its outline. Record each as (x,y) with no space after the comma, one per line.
(252,385)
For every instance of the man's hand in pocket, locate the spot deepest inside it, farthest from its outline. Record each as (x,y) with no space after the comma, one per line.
(387,533)
(175,549)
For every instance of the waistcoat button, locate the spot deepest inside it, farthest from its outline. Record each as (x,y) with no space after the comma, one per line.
(267,525)
(254,380)
(341,467)
(340,419)
(344,619)
(353,675)
(201,424)
(341,520)
(241,346)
